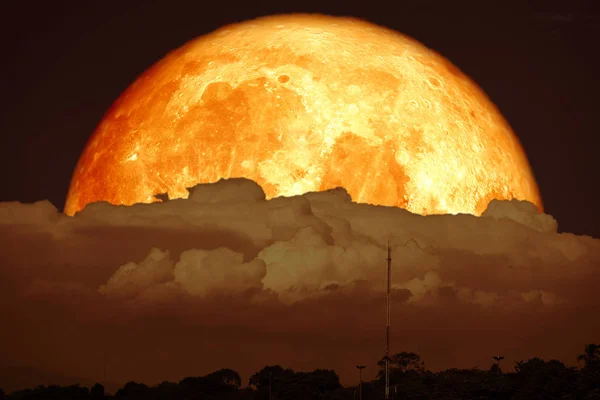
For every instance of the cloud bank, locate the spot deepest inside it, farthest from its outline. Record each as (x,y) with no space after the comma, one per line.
(227,278)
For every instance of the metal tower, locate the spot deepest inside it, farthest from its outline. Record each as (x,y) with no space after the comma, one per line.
(387,328)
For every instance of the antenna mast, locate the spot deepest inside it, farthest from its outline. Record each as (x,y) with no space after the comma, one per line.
(387,328)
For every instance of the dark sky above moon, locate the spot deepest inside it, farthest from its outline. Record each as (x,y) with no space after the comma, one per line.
(65,62)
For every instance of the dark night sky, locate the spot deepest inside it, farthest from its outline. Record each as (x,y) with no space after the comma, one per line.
(65,62)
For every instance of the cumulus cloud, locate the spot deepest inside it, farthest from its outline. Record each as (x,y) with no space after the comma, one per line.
(200,272)
(133,279)
(227,278)
(522,212)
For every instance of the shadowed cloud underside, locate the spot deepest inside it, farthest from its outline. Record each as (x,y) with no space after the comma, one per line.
(230,278)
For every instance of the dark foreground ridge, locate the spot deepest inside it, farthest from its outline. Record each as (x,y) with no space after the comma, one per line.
(409,379)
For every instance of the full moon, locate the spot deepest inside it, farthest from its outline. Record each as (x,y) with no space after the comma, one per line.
(302,103)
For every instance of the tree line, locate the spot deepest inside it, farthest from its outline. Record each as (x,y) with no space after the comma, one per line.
(409,379)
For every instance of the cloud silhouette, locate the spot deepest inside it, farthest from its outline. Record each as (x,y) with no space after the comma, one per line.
(227,278)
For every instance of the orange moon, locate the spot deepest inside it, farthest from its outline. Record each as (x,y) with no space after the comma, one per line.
(302,103)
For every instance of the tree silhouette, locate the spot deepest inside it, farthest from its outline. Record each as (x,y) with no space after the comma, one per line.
(545,379)
(287,384)
(590,355)
(73,392)
(260,380)
(216,384)
(192,386)
(518,365)
(97,392)
(167,391)
(402,362)
(133,391)
(407,375)
(322,380)
(227,377)
(590,379)
(533,379)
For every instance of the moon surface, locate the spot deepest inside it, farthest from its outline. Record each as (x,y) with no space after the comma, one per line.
(302,103)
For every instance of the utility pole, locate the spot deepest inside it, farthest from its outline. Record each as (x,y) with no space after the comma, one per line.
(360,368)
(270,373)
(387,328)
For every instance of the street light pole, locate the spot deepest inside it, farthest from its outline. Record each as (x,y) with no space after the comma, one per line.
(270,373)
(498,359)
(360,368)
